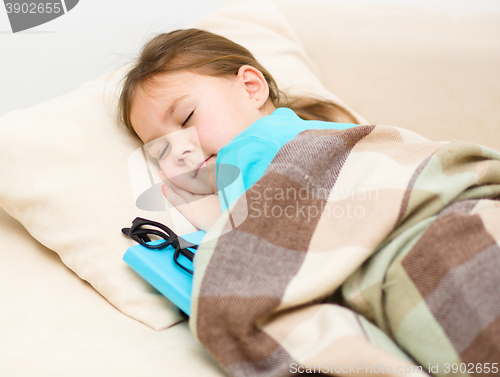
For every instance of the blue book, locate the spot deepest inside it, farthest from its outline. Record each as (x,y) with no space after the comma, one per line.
(158,268)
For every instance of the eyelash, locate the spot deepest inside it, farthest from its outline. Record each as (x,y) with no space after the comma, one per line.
(163,152)
(189,116)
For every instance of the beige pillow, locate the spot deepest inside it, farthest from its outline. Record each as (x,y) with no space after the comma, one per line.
(64,164)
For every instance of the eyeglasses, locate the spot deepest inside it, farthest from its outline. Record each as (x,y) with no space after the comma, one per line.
(139,233)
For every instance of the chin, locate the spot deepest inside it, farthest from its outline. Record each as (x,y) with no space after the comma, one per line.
(199,186)
(201,191)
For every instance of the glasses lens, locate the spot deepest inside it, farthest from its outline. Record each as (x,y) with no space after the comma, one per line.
(185,259)
(141,234)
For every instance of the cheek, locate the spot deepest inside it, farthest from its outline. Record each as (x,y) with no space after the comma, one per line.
(207,137)
(180,178)
(182,181)
(214,138)
(171,170)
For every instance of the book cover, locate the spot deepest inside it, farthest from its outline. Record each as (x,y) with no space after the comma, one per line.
(158,268)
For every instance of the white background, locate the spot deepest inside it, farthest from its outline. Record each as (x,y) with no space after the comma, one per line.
(98,36)
(95,37)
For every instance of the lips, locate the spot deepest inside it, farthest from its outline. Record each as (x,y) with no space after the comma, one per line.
(200,166)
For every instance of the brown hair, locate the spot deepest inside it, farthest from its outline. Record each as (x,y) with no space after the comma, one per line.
(207,53)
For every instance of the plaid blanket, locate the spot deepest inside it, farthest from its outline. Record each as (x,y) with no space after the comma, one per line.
(363,251)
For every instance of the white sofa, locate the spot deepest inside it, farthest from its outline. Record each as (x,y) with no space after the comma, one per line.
(432,71)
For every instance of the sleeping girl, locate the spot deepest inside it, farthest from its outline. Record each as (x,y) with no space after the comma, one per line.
(412,279)
(194,79)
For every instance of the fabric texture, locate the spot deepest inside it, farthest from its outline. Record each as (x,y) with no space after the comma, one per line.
(64,166)
(408,229)
(252,150)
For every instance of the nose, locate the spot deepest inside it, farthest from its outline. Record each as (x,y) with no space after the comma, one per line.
(184,147)
(181,151)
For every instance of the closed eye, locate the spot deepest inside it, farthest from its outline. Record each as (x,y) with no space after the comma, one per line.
(187,119)
(162,153)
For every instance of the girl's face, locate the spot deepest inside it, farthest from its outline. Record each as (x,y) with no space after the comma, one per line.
(185,118)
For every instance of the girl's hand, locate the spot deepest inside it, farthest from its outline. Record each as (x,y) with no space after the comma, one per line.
(201,210)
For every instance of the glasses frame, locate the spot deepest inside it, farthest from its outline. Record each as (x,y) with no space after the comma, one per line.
(140,234)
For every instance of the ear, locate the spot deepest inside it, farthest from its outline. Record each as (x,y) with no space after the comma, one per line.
(254,84)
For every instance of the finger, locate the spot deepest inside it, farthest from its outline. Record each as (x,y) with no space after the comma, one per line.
(180,204)
(174,198)
(168,182)
(188,196)
(173,186)
(162,175)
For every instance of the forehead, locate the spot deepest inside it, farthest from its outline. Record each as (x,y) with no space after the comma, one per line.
(160,91)
(152,100)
